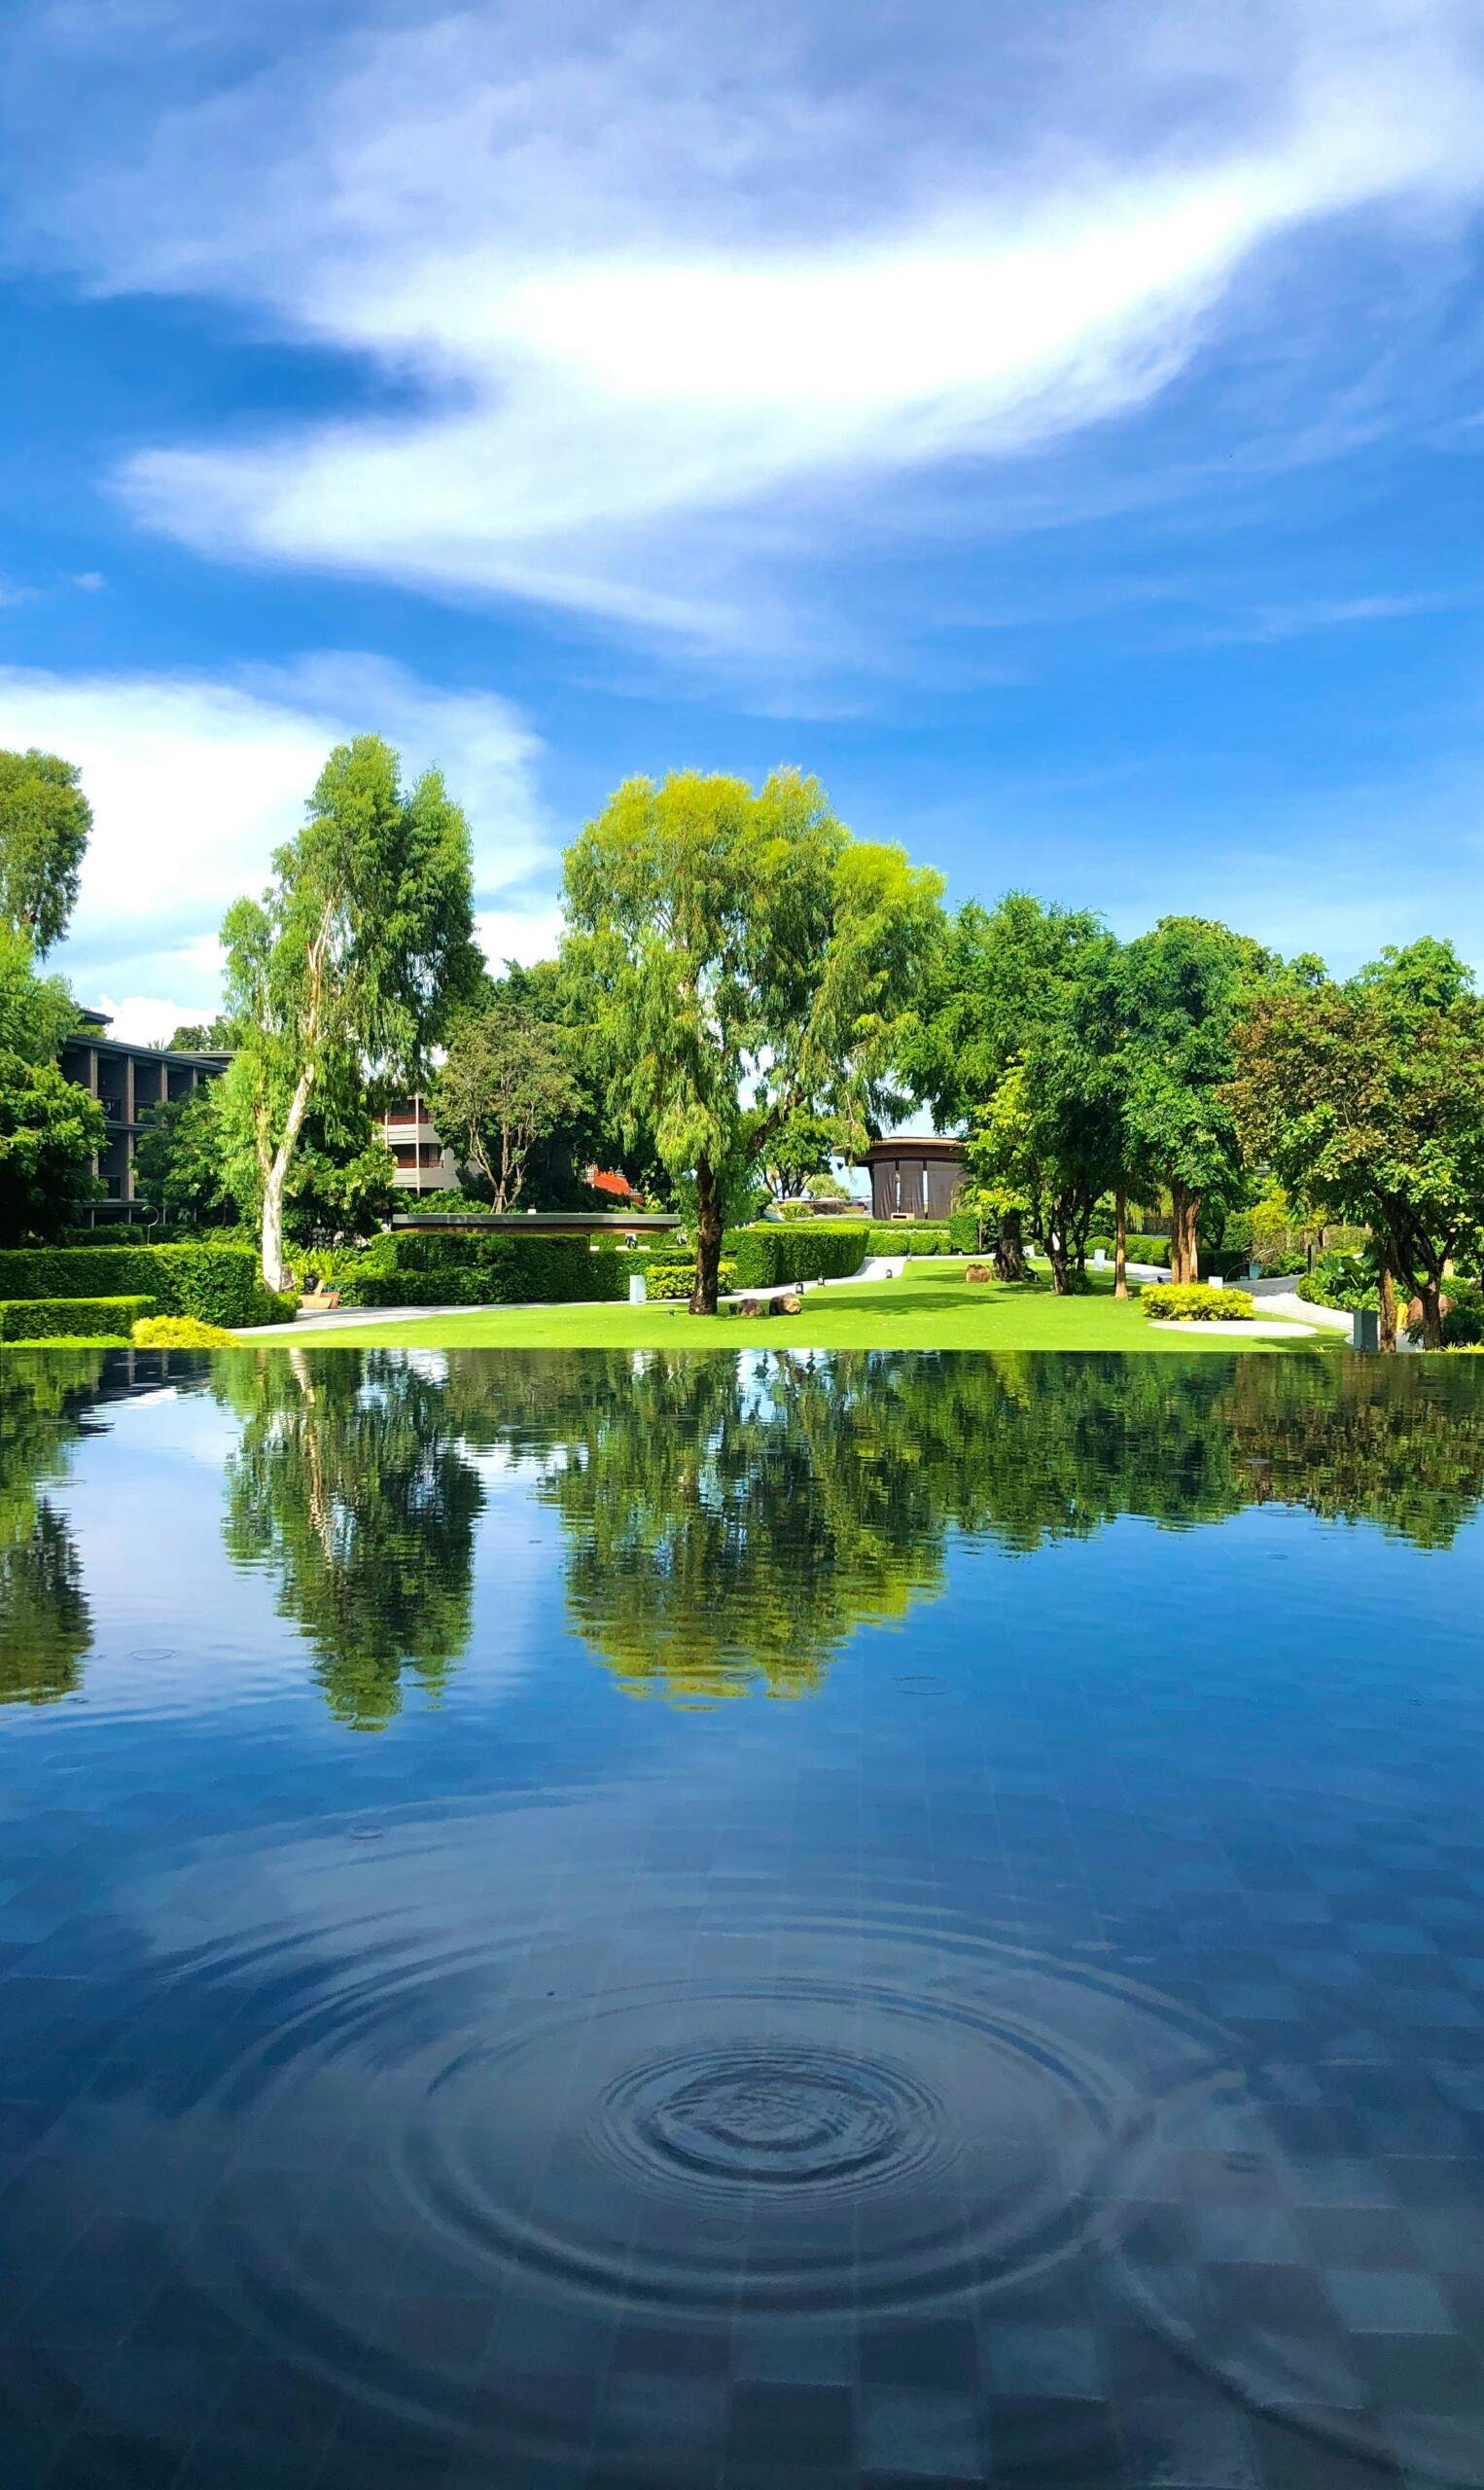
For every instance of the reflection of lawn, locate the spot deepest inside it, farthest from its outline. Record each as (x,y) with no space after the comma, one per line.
(928,1308)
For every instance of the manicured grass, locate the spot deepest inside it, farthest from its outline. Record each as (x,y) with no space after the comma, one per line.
(931,1307)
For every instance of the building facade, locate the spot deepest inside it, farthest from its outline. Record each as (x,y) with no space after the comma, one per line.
(913,1175)
(130,1085)
(423,1164)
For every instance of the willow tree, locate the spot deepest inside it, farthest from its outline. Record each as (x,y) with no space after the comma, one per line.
(352,960)
(745,958)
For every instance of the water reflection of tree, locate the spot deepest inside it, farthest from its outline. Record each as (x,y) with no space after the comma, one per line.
(46,1629)
(731,1524)
(350,1485)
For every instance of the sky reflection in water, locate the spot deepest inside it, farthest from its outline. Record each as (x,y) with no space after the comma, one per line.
(1007,2004)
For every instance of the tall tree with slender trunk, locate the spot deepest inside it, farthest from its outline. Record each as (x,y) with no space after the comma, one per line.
(46,822)
(745,958)
(351,962)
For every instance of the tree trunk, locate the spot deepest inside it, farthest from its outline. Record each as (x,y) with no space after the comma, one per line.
(1056,1254)
(708,1239)
(277,1178)
(1010,1249)
(1386,1331)
(1185,1257)
(1429,1289)
(1120,1243)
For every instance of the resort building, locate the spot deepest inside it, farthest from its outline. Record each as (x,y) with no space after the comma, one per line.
(424,1165)
(131,1083)
(913,1175)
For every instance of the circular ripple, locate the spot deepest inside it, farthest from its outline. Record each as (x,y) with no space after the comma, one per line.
(703,2126)
(768,2117)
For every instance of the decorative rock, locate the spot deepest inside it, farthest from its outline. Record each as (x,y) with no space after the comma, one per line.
(980,1271)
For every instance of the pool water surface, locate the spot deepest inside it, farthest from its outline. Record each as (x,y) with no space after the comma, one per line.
(772,1922)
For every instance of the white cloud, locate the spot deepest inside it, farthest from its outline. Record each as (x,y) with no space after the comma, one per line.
(194,780)
(631,288)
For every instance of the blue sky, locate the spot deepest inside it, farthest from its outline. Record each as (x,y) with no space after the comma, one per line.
(1059,429)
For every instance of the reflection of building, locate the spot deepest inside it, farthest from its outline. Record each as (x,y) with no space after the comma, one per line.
(423,1164)
(129,1084)
(913,1175)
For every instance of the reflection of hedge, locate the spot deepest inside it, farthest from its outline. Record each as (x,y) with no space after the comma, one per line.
(447,1268)
(72,1318)
(217,1283)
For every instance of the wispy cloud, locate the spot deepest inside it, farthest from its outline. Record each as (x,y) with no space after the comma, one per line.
(631,285)
(194,779)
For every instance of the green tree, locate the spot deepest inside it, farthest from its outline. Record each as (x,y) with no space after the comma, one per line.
(736,941)
(349,1485)
(1045,1150)
(46,822)
(1368,1097)
(797,1154)
(218,1036)
(50,1127)
(353,960)
(505,1084)
(998,992)
(1181,992)
(180,1161)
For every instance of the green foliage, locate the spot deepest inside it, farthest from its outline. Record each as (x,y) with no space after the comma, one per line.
(1367,1098)
(796,1155)
(908,1236)
(505,1084)
(731,939)
(44,825)
(49,1132)
(1191,1302)
(179,1168)
(45,1628)
(218,1036)
(351,963)
(76,1318)
(1344,1280)
(443,1267)
(1463,1325)
(672,1280)
(773,1255)
(179,1331)
(217,1283)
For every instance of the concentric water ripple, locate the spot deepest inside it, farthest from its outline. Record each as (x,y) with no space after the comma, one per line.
(707,2123)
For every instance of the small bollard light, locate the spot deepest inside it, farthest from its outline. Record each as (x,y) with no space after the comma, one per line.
(638,1290)
(1366,1329)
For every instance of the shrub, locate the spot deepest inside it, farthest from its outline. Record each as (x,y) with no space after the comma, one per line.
(1344,1280)
(773,1255)
(78,1318)
(1150,1249)
(1196,1304)
(1464,1322)
(216,1283)
(672,1280)
(179,1331)
(444,1267)
(909,1236)
(968,1233)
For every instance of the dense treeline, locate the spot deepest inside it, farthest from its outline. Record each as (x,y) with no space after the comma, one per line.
(744,994)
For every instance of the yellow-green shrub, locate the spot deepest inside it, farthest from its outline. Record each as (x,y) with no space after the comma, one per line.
(179,1331)
(1193,1303)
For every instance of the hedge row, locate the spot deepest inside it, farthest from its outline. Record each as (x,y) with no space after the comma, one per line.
(72,1318)
(775,1255)
(676,1280)
(445,1269)
(216,1283)
(1189,1303)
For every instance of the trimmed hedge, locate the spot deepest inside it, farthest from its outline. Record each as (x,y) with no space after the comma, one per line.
(909,1236)
(1197,1305)
(179,1331)
(772,1256)
(445,1269)
(671,1280)
(218,1284)
(80,1318)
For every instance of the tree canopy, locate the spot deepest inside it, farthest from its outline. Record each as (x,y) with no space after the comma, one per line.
(352,961)
(505,1084)
(50,1127)
(46,822)
(746,958)
(1368,1097)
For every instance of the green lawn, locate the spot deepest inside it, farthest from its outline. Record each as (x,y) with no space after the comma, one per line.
(930,1307)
